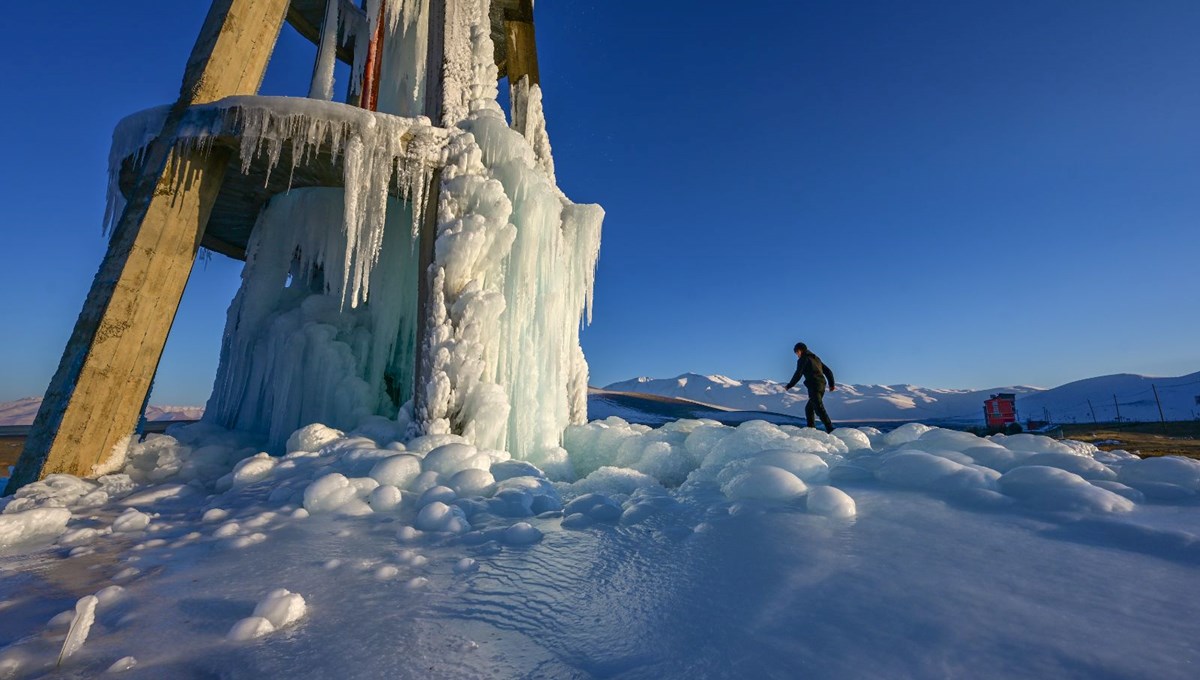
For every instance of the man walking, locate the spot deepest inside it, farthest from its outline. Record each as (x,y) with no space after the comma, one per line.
(810,367)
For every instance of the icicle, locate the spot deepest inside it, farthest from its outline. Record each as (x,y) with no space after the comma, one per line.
(292,355)
(529,119)
(379,152)
(514,262)
(405,52)
(322,82)
(130,138)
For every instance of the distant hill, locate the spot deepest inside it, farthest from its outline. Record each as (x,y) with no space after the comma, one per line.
(909,402)
(1134,399)
(658,400)
(652,409)
(22,412)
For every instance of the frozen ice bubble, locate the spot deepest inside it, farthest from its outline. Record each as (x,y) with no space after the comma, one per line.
(253,469)
(312,437)
(522,533)
(122,664)
(437,516)
(281,607)
(765,482)
(398,471)
(385,498)
(449,459)
(472,483)
(131,520)
(250,628)
(830,502)
(438,493)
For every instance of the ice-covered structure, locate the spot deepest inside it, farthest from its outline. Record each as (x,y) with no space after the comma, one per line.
(325,326)
(408,253)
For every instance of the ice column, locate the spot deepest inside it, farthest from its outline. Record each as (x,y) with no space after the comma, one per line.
(292,354)
(514,268)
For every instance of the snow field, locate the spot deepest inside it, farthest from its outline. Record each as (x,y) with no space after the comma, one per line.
(453,512)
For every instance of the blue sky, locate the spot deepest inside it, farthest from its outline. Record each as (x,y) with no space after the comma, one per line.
(951,194)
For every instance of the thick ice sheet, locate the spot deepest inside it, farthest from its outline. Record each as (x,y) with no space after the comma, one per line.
(432,558)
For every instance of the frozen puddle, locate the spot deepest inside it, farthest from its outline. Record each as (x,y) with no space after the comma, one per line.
(690,550)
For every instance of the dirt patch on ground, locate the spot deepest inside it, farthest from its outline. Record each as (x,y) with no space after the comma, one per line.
(10,450)
(1180,438)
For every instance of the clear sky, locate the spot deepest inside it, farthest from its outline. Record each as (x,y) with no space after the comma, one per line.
(952,194)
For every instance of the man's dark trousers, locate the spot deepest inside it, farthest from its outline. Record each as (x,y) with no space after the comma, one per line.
(816,406)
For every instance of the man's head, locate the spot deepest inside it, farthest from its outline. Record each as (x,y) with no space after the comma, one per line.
(800,349)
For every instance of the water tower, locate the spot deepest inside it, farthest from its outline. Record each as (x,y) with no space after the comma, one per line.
(408,253)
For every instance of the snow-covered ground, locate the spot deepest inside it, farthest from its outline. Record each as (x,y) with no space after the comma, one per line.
(1067,403)
(691,550)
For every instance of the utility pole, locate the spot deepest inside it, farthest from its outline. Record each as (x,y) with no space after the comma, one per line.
(1094,421)
(1158,401)
(1118,407)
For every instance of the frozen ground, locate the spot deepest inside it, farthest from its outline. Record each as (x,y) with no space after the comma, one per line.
(692,550)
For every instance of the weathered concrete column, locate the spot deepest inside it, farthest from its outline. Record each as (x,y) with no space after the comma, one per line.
(520,45)
(95,397)
(521,66)
(427,235)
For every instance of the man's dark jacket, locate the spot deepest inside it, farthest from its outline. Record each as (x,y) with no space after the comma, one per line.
(814,373)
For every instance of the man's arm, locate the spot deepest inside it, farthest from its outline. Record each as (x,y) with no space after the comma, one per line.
(829,376)
(795,376)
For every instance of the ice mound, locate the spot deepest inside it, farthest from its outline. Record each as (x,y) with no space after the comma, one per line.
(1049,488)
(473,512)
(250,628)
(905,433)
(279,609)
(130,520)
(831,502)
(398,470)
(438,516)
(123,664)
(312,438)
(32,525)
(765,482)
(595,506)
(919,470)
(1165,477)
(450,459)
(761,462)
(335,492)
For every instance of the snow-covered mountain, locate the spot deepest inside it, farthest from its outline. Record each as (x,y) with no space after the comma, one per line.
(22,412)
(910,402)
(1133,396)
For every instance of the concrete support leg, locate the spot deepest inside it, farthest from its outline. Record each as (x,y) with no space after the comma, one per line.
(94,399)
(427,234)
(521,46)
(521,65)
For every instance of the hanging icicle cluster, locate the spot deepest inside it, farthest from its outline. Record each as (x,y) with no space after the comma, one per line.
(323,328)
